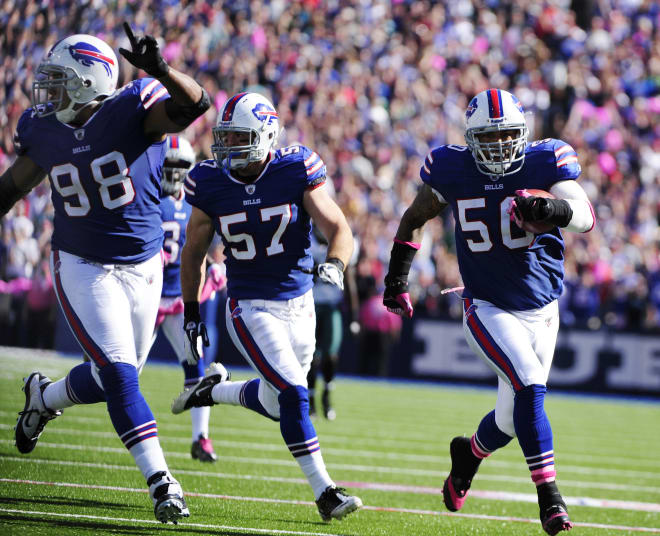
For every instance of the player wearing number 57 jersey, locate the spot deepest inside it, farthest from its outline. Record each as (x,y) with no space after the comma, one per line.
(102,149)
(510,254)
(261,202)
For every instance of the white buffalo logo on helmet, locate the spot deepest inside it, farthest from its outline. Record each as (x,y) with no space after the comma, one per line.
(263,112)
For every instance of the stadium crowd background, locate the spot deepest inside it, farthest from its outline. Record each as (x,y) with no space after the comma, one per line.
(371,85)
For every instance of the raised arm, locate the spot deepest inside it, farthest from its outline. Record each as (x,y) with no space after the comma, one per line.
(188,100)
(424,207)
(17,181)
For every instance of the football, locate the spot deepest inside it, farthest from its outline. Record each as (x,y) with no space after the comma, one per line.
(536,227)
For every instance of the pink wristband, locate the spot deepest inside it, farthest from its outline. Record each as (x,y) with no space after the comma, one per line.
(413,245)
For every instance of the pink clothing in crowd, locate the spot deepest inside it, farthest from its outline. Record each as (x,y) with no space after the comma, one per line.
(374,316)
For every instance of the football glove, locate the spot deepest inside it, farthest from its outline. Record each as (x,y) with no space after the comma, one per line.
(331,271)
(196,334)
(145,54)
(396,297)
(529,208)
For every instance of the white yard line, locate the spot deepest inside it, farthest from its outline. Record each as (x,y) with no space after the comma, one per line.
(310,503)
(491,495)
(182,524)
(375,485)
(370,454)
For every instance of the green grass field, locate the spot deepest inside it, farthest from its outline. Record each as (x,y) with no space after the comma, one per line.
(389,445)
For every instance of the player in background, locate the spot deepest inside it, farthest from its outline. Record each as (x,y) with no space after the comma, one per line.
(260,202)
(512,277)
(175,212)
(328,302)
(102,149)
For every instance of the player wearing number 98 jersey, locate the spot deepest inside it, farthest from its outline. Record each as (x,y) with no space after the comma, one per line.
(512,276)
(261,202)
(102,149)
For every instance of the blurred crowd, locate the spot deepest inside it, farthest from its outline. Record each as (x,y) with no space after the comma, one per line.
(371,85)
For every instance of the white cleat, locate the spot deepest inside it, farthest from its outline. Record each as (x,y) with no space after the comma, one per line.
(35,415)
(167,495)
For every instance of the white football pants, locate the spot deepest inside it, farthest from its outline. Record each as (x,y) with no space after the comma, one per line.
(172,327)
(277,338)
(517,345)
(111,308)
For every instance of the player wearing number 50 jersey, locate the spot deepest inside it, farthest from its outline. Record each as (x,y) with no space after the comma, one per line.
(510,254)
(261,202)
(102,150)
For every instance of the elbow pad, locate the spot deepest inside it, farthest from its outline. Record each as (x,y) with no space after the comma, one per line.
(184,115)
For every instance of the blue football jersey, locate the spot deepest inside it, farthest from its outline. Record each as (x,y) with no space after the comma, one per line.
(105,176)
(175,214)
(263,225)
(498,261)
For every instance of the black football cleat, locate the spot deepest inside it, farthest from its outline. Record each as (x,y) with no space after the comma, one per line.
(464,466)
(199,395)
(334,503)
(202,450)
(35,415)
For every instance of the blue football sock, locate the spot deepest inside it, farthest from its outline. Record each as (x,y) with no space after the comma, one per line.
(489,437)
(534,432)
(192,373)
(81,387)
(129,412)
(296,426)
(249,398)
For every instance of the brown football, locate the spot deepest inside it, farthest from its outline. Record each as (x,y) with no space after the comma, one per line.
(538,227)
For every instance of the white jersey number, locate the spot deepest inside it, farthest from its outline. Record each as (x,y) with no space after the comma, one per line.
(172,230)
(249,251)
(81,206)
(485,244)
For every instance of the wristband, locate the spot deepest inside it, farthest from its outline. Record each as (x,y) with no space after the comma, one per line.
(337,262)
(191,311)
(401,259)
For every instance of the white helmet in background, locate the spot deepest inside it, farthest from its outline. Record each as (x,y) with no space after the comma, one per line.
(251,114)
(179,160)
(81,65)
(495,110)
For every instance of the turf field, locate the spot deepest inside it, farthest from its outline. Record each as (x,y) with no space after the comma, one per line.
(389,445)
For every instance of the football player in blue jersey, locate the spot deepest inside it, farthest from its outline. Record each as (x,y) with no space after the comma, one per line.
(102,149)
(510,254)
(175,212)
(261,202)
